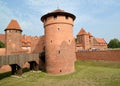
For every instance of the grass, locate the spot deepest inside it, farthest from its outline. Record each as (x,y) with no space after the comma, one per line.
(88,73)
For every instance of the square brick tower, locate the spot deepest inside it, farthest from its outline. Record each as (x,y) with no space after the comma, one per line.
(83,38)
(13,37)
(59,42)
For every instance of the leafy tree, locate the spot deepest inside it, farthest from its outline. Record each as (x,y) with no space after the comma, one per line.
(114,43)
(2,45)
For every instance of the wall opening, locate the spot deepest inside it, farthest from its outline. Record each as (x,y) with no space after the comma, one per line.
(69,40)
(58,29)
(51,41)
(45,20)
(59,51)
(60,70)
(55,16)
(66,17)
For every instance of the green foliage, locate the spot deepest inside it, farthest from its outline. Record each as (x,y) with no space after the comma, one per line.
(2,45)
(114,43)
(6,74)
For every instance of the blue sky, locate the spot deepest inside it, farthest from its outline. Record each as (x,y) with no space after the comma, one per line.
(100,17)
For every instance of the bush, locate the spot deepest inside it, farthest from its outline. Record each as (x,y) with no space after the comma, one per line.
(2,45)
(114,43)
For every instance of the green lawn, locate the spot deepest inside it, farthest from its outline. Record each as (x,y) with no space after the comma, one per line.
(88,73)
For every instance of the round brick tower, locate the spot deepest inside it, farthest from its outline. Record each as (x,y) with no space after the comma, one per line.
(59,42)
(13,37)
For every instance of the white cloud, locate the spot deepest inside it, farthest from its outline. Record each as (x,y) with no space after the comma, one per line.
(5,16)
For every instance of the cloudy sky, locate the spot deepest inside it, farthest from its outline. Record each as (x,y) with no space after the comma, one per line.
(100,17)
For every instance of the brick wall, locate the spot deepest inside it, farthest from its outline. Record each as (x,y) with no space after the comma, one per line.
(2,51)
(37,44)
(110,55)
(2,38)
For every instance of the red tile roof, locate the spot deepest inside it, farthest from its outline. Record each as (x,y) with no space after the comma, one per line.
(13,25)
(2,37)
(58,10)
(100,40)
(82,32)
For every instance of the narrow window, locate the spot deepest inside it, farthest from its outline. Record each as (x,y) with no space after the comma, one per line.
(58,29)
(69,40)
(66,17)
(51,41)
(60,70)
(55,16)
(45,20)
(59,51)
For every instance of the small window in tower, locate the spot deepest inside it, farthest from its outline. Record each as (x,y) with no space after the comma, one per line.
(55,16)
(60,70)
(69,40)
(59,51)
(45,19)
(51,41)
(15,30)
(66,17)
(58,29)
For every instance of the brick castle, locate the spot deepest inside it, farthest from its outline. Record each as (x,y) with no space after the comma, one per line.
(57,42)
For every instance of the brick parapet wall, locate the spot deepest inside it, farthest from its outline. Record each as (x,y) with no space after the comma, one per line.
(108,55)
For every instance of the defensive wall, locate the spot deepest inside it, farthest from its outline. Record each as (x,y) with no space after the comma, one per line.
(108,55)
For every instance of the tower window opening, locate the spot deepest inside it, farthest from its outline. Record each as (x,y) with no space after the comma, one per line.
(45,20)
(69,40)
(66,17)
(55,16)
(59,51)
(60,70)
(51,41)
(58,29)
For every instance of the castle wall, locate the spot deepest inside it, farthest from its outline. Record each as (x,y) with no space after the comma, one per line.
(37,44)
(101,47)
(2,51)
(108,55)
(2,38)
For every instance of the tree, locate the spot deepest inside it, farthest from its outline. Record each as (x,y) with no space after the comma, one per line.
(2,45)
(114,43)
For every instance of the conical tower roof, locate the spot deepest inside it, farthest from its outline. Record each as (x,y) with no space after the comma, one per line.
(82,32)
(13,25)
(58,12)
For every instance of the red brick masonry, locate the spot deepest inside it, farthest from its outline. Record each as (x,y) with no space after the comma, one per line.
(109,55)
